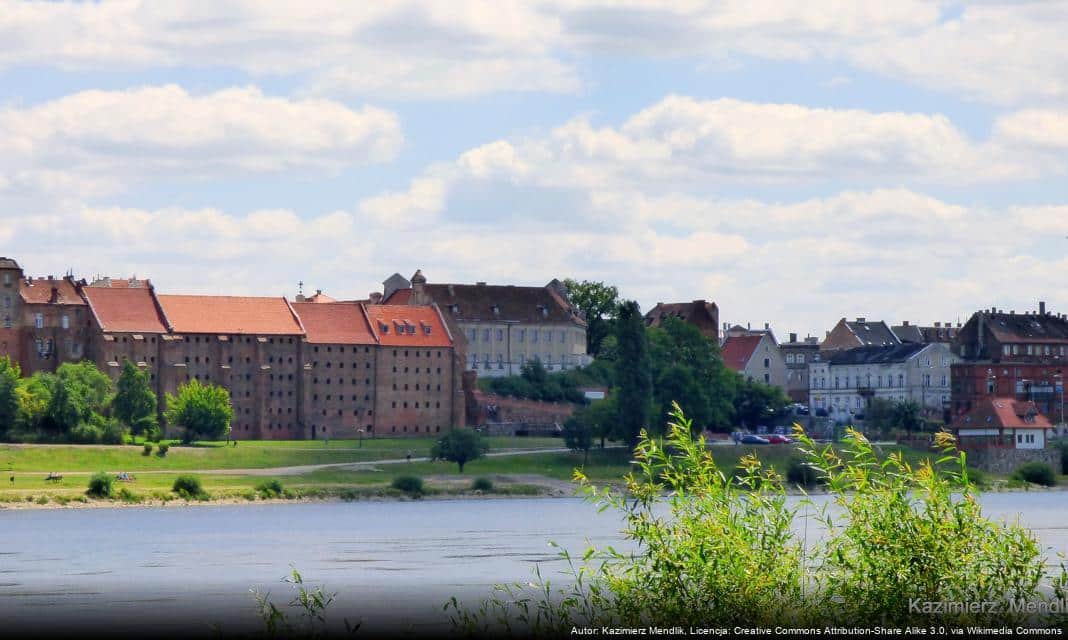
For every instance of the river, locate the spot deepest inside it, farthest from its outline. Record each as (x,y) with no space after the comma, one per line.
(393,564)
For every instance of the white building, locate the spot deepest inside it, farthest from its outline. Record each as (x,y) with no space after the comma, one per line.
(844,383)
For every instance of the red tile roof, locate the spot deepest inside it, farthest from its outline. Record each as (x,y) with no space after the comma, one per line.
(228,314)
(400,296)
(39,291)
(120,283)
(320,297)
(408,326)
(334,323)
(737,351)
(1004,413)
(125,310)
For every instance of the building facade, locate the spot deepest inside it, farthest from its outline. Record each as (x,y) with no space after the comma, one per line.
(502,326)
(861,332)
(797,355)
(757,357)
(700,313)
(845,383)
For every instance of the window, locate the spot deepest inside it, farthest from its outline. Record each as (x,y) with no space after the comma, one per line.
(7,278)
(500,361)
(533,335)
(1030,350)
(485,335)
(563,337)
(548,335)
(789,358)
(800,358)
(38,320)
(767,363)
(7,301)
(486,359)
(522,335)
(767,378)
(500,335)
(473,335)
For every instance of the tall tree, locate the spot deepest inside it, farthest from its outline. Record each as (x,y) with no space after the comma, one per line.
(460,446)
(578,433)
(79,392)
(599,303)
(687,369)
(203,410)
(135,402)
(9,400)
(757,403)
(633,375)
(35,396)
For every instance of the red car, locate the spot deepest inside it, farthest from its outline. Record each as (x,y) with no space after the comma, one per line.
(779,439)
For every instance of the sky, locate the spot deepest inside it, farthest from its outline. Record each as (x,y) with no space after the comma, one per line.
(794,161)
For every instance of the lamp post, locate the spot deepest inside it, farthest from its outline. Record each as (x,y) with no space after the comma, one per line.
(359,432)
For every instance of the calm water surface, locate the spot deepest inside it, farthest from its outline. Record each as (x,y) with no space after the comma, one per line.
(391,563)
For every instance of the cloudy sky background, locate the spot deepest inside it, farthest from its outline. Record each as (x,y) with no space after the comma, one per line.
(794,161)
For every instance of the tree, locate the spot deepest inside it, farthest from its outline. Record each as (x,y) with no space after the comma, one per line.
(633,373)
(907,415)
(34,397)
(578,434)
(687,369)
(203,410)
(79,392)
(879,416)
(599,304)
(135,402)
(9,399)
(460,446)
(757,402)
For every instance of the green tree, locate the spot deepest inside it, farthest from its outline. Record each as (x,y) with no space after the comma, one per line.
(135,402)
(460,446)
(9,399)
(79,391)
(635,393)
(599,304)
(34,397)
(880,415)
(578,434)
(687,369)
(757,403)
(203,410)
(907,416)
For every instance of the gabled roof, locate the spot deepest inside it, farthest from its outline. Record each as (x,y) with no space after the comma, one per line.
(334,323)
(1009,327)
(320,298)
(39,291)
(908,333)
(499,303)
(230,314)
(738,350)
(407,326)
(873,333)
(1005,413)
(877,355)
(125,310)
(8,263)
(687,311)
(400,296)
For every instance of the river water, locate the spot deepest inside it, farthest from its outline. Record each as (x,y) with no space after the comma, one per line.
(393,564)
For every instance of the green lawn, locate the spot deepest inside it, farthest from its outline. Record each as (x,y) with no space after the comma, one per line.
(248,454)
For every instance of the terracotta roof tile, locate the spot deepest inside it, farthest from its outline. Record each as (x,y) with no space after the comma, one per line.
(229,314)
(487,302)
(408,326)
(125,310)
(688,311)
(334,323)
(1003,413)
(737,351)
(39,291)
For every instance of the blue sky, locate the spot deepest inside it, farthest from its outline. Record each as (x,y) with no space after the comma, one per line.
(796,163)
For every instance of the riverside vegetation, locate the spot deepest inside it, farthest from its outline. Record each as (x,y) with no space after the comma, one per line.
(719,548)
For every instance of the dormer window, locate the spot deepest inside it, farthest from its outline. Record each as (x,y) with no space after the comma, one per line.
(496,309)
(383,327)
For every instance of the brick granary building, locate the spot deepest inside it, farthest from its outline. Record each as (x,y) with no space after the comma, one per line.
(307,369)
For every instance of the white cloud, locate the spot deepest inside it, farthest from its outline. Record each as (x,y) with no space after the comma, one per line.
(1042,128)
(100,137)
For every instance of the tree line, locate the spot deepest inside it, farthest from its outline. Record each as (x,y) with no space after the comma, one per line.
(79,403)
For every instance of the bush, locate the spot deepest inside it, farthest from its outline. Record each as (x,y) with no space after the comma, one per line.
(85,434)
(147,451)
(42,500)
(187,486)
(801,474)
(101,485)
(129,496)
(1035,473)
(482,484)
(270,488)
(112,432)
(163,449)
(412,485)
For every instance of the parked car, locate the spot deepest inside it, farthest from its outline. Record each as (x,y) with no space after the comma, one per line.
(779,438)
(752,439)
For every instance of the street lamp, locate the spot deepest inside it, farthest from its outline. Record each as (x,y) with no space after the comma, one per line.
(359,432)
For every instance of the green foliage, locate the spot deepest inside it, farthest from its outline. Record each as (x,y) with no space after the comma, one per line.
(101,485)
(757,403)
(482,484)
(188,486)
(1036,473)
(135,401)
(79,392)
(34,397)
(147,450)
(460,446)
(203,410)
(85,433)
(271,488)
(9,398)
(906,416)
(714,552)
(536,383)
(687,369)
(599,304)
(578,432)
(800,473)
(163,448)
(310,605)
(111,431)
(412,485)
(1064,456)
(635,384)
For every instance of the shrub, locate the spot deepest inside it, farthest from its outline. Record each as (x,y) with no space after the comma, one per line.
(101,485)
(42,500)
(270,488)
(187,486)
(129,496)
(412,485)
(1035,473)
(348,495)
(1064,456)
(85,433)
(800,473)
(112,432)
(147,451)
(163,449)
(482,484)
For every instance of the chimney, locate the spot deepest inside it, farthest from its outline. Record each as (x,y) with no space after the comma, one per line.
(861,320)
(419,296)
(1042,308)
(938,325)
(767,326)
(54,298)
(375,297)
(793,337)
(904,323)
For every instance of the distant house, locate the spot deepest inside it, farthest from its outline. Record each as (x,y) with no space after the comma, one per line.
(858,333)
(700,313)
(939,332)
(798,355)
(1003,422)
(757,357)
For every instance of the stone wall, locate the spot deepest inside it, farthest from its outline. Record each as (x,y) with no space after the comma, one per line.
(1006,460)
